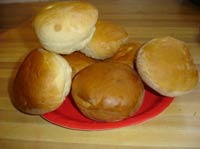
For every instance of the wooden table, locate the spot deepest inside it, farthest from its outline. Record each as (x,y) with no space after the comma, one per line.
(178,126)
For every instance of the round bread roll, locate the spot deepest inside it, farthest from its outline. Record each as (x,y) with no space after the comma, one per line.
(126,53)
(165,64)
(107,91)
(65,27)
(106,41)
(42,82)
(78,61)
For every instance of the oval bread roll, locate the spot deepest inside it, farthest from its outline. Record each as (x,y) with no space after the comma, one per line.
(126,53)
(42,82)
(165,64)
(107,91)
(65,27)
(78,61)
(106,41)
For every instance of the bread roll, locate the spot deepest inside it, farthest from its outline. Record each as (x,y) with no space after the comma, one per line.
(65,27)
(42,82)
(78,61)
(107,91)
(126,53)
(107,39)
(165,64)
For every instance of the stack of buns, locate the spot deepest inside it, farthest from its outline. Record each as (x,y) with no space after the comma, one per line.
(95,61)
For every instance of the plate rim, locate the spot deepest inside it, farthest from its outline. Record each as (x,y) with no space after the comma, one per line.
(140,118)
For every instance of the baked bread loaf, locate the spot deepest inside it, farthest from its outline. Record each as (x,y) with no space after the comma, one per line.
(106,41)
(126,53)
(65,27)
(107,91)
(165,64)
(78,61)
(42,82)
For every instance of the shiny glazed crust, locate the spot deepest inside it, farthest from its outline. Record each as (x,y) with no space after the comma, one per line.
(107,91)
(126,54)
(42,82)
(78,61)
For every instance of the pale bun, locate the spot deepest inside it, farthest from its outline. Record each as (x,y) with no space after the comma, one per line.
(65,27)
(107,91)
(106,40)
(78,61)
(165,64)
(42,82)
(126,53)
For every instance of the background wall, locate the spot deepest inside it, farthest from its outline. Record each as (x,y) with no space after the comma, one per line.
(18,1)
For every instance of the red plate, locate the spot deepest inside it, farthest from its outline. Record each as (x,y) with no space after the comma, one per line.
(68,116)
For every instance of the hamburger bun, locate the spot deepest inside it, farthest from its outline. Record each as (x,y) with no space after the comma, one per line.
(126,53)
(42,82)
(65,27)
(165,64)
(78,61)
(106,41)
(107,91)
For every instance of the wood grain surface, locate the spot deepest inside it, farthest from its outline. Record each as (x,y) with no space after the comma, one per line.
(177,127)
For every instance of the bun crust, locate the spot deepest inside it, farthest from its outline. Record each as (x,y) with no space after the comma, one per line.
(106,41)
(107,91)
(165,64)
(126,53)
(78,61)
(42,82)
(65,27)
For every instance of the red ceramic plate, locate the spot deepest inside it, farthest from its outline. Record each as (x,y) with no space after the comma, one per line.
(68,116)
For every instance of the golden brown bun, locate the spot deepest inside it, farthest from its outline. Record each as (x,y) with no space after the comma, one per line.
(107,91)
(42,82)
(165,64)
(78,61)
(65,27)
(126,53)
(107,39)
